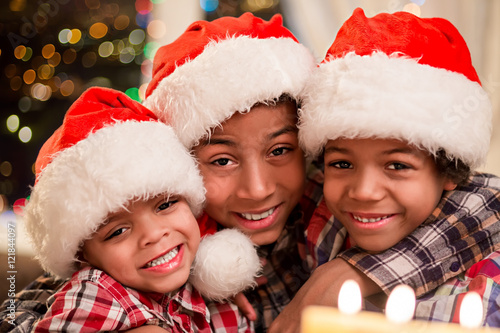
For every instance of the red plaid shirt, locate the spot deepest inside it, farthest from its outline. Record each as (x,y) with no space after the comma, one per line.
(92,301)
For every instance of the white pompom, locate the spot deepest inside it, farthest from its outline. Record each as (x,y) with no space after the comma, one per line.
(226,263)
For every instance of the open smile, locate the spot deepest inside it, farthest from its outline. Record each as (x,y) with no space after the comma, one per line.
(371,219)
(257,217)
(166,258)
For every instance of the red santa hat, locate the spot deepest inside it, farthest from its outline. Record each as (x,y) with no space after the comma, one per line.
(217,68)
(398,76)
(108,150)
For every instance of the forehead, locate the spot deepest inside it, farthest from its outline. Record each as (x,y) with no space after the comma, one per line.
(261,115)
(385,145)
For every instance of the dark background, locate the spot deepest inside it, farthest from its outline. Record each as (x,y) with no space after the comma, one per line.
(31,25)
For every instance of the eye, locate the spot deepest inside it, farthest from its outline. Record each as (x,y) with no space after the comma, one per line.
(116,233)
(222,162)
(341,165)
(397,166)
(166,205)
(280,151)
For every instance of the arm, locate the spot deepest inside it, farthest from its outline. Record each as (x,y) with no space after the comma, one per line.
(30,304)
(322,288)
(462,231)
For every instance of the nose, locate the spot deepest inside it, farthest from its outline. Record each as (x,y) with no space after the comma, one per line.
(151,231)
(256,182)
(366,186)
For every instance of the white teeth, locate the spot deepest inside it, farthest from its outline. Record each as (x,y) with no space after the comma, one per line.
(360,219)
(256,217)
(163,259)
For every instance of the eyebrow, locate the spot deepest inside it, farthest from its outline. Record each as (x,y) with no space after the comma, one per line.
(227,142)
(404,150)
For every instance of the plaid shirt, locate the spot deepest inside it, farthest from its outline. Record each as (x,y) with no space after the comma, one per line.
(92,301)
(462,230)
(443,304)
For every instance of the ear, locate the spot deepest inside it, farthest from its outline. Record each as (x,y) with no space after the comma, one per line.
(449,185)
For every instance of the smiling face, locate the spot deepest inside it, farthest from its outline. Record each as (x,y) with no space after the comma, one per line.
(254,171)
(150,246)
(380,189)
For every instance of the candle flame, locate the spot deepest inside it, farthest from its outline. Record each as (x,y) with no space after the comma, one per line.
(400,306)
(349,298)
(471,310)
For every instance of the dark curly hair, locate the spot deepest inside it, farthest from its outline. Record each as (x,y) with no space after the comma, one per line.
(455,169)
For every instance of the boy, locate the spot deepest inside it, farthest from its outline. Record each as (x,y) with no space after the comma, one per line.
(115,211)
(399,114)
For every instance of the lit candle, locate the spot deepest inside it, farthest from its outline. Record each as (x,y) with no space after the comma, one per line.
(471,310)
(400,306)
(322,319)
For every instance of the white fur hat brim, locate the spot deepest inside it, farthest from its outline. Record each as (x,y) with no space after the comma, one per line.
(396,97)
(230,75)
(100,174)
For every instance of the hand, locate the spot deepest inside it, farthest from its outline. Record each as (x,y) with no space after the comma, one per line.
(322,288)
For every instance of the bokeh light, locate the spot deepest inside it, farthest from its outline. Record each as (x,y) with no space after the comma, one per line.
(25,134)
(150,50)
(10,70)
(142,20)
(13,123)
(6,168)
(45,72)
(64,36)
(137,36)
(15,83)
(41,92)
(156,29)
(121,22)
(28,54)
(20,51)
(143,6)
(24,104)
(98,30)
(48,51)
(67,88)
(54,60)
(105,49)
(75,37)
(147,68)
(69,56)
(29,76)
(133,93)
(127,55)
(209,5)
(89,59)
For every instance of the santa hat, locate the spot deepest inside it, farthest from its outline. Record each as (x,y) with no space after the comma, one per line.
(109,150)
(217,68)
(398,76)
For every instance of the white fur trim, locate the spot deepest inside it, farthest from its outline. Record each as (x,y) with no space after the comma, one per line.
(395,97)
(226,263)
(228,76)
(99,175)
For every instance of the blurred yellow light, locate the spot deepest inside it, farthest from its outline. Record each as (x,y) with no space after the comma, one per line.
(25,134)
(76,35)
(15,83)
(121,22)
(48,51)
(28,54)
(10,70)
(93,4)
(20,51)
(69,56)
(13,123)
(136,37)
(106,49)
(98,30)
(55,59)
(67,88)
(17,5)
(29,76)
(45,72)
(6,169)
(89,59)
